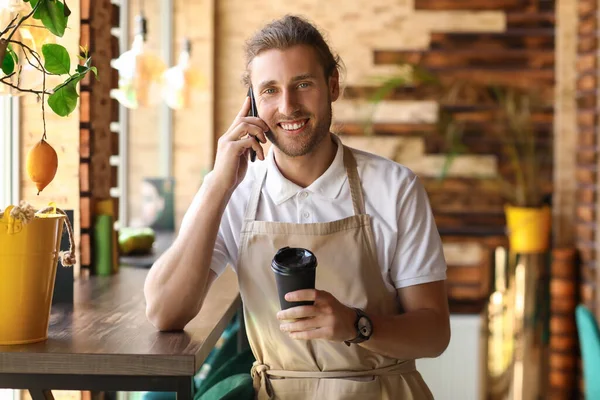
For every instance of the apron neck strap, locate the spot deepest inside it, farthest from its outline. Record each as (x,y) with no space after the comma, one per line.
(358,201)
(255,195)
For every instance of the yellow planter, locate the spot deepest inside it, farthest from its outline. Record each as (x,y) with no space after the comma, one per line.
(29,256)
(528,229)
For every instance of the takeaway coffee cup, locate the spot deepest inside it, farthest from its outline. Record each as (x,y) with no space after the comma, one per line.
(294,269)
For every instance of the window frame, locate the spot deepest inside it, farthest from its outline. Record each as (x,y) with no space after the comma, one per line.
(9,151)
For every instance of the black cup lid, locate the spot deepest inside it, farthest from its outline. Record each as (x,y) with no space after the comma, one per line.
(289,258)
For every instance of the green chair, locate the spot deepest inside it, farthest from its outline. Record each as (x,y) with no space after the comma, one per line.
(158,396)
(235,387)
(589,341)
(225,349)
(240,364)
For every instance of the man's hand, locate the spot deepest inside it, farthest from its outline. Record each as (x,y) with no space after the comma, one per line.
(231,161)
(326,319)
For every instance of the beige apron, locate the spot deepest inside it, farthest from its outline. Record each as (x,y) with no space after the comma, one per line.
(347,268)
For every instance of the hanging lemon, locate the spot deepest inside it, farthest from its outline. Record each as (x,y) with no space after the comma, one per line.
(42,163)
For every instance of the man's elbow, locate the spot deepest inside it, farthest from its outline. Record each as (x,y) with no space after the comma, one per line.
(442,340)
(160,315)
(164,321)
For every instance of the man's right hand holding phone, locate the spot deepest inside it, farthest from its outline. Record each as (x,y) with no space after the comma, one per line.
(231,162)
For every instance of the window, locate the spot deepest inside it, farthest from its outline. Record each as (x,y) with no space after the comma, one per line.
(9,151)
(8,394)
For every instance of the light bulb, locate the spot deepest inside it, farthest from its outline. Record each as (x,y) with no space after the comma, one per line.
(180,81)
(139,73)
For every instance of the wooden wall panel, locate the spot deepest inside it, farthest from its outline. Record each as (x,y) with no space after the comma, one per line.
(508,5)
(97,112)
(587,238)
(522,54)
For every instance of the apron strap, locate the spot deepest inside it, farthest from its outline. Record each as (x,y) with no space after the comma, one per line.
(404,367)
(255,196)
(358,201)
(262,384)
(259,375)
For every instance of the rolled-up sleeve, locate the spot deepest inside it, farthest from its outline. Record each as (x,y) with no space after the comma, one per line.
(419,256)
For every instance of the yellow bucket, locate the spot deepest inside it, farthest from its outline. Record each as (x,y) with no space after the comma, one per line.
(528,229)
(29,254)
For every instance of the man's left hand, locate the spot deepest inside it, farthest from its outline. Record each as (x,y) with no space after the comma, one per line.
(326,319)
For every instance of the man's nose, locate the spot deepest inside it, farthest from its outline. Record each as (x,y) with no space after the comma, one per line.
(288,104)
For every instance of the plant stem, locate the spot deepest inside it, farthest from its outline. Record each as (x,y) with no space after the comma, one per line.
(37,92)
(23,19)
(10,26)
(35,26)
(35,55)
(43,105)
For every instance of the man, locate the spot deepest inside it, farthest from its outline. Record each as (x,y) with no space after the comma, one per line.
(380,301)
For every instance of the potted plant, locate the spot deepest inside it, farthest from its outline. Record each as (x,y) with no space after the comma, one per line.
(30,239)
(521,184)
(510,111)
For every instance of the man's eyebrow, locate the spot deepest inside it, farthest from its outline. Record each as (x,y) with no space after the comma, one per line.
(297,78)
(264,84)
(303,77)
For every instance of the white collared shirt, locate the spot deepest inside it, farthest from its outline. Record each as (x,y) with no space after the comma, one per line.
(409,248)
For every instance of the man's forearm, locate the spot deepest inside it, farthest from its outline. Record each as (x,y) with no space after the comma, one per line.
(178,281)
(416,334)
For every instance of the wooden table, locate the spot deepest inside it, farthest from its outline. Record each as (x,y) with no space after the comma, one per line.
(103,342)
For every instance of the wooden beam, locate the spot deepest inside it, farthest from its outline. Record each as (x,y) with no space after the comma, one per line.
(469,58)
(354,129)
(533,39)
(530,20)
(471,5)
(101,17)
(565,138)
(420,92)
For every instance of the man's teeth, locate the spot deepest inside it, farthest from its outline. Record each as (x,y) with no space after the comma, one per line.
(293,127)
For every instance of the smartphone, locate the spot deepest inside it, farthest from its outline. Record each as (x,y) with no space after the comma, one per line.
(253,113)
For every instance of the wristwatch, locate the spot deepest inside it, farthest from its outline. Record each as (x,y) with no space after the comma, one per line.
(364,328)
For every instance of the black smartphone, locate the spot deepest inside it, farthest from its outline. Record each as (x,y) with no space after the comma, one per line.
(253,113)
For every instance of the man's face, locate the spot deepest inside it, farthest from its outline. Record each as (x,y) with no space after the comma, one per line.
(293,97)
(152,203)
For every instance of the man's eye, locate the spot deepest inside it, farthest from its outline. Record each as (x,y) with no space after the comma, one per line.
(269,91)
(303,85)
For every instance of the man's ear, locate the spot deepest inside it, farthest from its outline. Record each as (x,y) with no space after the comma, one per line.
(334,85)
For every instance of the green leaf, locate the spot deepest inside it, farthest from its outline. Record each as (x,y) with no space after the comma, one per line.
(64,100)
(56,59)
(52,15)
(8,64)
(72,80)
(95,71)
(13,54)
(67,9)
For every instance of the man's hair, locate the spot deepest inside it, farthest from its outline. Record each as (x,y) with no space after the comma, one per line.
(286,32)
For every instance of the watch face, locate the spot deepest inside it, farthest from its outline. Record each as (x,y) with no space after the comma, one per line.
(364,326)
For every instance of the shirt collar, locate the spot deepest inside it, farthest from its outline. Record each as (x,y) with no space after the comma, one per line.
(329,184)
